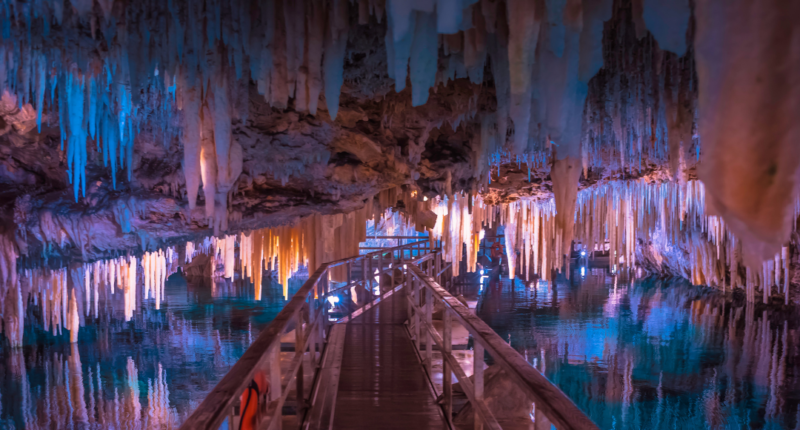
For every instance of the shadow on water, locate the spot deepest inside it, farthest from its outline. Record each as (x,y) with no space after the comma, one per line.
(150,372)
(653,354)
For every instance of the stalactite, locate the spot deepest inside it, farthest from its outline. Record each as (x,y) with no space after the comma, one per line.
(670,219)
(750,171)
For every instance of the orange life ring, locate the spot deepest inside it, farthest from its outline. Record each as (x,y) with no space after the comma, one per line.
(497,250)
(249,401)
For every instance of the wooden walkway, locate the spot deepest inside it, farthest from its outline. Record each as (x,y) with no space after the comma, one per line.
(382,383)
(370,375)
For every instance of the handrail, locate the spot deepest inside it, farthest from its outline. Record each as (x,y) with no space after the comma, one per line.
(310,330)
(339,262)
(548,398)
(223,400)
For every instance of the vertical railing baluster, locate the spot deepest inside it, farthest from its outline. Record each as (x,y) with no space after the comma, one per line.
(323,319)
(438,268)
(364,273)
(312,336)
(380,272)
(371,276)
(417,304)
(447,373)
(410,295)
(391,273)
(428,338)
(275,382)
(430,268)
(233,416)
(299,349)
(477,370)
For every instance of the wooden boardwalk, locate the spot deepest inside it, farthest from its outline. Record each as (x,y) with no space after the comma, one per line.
(382,383)
(370,375)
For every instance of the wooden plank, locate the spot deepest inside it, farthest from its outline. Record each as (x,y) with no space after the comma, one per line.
(382,385)
(323,402)
(558,408)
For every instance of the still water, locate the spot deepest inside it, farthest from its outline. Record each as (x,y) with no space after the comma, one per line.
(150,372)
(650,354)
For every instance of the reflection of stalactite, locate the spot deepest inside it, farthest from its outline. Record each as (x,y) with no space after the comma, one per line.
(159,414)
(76,389)
(61,399)
(132,409)
(627,383)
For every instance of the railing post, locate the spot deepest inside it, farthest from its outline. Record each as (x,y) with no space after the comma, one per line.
(417,303)
(233,416)
(371,275)
(438,268)
(364,273)
(312,333)
(477,370)
(430,268)
(428,338)
(349,272)
(275,382)
(380,272)
(299,349)
(391,273)
(409,287)
(323,318)
(447,373)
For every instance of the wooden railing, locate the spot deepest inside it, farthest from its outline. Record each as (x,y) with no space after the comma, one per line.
(421,266)
(422,292)
(308,312)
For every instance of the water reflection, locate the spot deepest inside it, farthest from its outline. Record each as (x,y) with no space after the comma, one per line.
(653,354)
(150,372)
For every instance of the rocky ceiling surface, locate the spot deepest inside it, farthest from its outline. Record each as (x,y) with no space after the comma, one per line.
(463,138)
